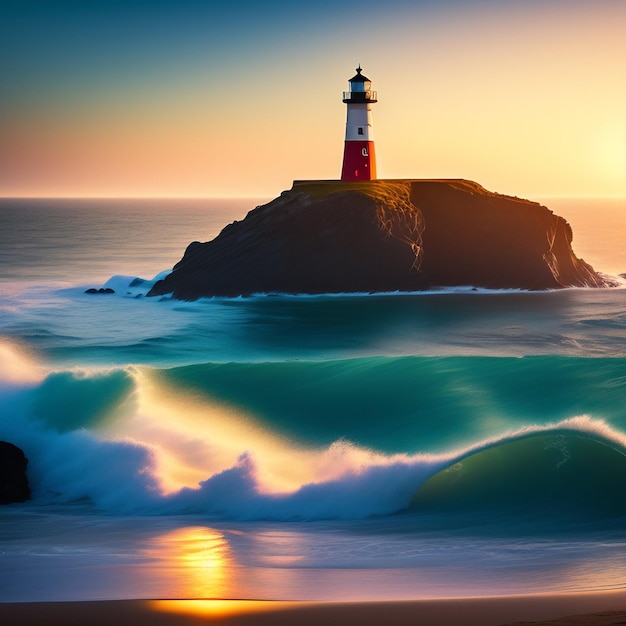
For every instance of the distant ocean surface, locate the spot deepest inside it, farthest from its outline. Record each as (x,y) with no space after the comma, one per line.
(394,446)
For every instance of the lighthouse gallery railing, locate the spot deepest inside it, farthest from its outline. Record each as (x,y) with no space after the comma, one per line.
(360,96)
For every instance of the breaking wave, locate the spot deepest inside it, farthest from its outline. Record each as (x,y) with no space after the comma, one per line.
(323,440)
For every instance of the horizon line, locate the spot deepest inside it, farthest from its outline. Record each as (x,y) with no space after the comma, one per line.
(106,197)
(256,197)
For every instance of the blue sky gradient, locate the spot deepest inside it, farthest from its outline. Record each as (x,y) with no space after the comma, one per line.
(508,91)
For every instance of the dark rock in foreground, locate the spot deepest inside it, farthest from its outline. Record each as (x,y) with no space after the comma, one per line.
(13,480)
(381,236)
(93,290)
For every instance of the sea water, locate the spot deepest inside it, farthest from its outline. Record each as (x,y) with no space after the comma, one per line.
(457,442)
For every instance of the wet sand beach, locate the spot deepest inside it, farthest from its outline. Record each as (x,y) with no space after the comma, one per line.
(591,609)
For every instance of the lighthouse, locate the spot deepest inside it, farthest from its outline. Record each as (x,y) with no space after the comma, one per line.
(359,158)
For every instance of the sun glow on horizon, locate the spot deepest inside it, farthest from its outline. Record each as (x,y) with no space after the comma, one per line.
(525,98)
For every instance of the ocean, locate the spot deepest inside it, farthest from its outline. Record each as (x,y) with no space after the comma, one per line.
(450,443)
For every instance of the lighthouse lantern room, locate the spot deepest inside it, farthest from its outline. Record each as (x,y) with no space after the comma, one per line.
(359,158)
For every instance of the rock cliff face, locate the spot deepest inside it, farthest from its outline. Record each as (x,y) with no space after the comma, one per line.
(383,235)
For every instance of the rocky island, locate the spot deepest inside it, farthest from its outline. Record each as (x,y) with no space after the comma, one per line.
(383,236)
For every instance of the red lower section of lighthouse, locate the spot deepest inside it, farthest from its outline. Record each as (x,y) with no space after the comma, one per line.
(359,161)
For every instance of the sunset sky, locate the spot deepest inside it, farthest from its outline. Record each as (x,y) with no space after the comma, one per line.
(235,98)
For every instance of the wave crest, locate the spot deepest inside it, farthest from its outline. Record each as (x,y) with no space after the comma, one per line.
(560,472)
(130,441)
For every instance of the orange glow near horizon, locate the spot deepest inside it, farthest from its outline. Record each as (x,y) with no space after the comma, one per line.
(527,99)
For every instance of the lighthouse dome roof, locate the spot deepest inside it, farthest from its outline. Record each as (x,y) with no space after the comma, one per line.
(359,78)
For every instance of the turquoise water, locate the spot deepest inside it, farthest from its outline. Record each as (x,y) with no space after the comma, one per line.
(331,447)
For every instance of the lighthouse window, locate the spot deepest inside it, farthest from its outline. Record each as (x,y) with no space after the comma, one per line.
(360,131)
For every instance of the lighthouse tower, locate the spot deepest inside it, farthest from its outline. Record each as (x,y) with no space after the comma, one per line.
(359,158)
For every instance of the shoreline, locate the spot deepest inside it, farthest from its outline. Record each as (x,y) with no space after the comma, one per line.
(603,608)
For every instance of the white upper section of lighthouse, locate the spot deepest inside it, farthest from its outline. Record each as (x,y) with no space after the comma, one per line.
(359,123)
(359,100)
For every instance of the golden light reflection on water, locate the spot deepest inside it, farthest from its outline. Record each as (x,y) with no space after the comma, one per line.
(198,559)
(593,574)
(18,364)
(195,438)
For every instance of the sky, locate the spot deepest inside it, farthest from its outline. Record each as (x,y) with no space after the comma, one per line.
(238,98)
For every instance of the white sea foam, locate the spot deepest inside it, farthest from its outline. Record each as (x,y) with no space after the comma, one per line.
(124,475)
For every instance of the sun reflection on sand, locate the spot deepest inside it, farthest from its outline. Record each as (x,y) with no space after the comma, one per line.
(208,609)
